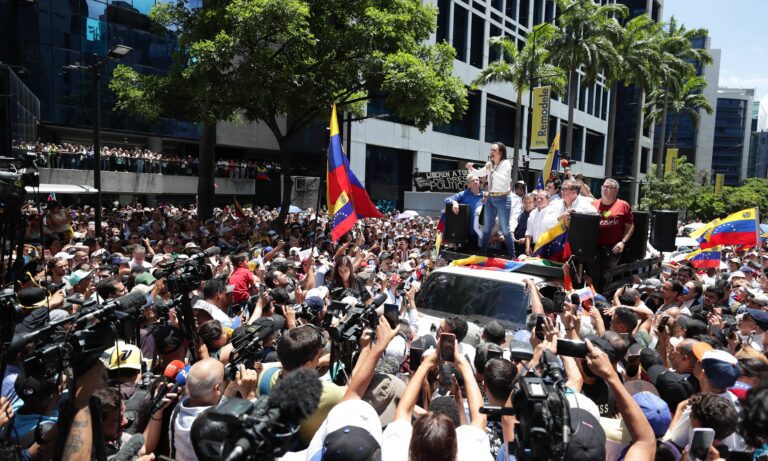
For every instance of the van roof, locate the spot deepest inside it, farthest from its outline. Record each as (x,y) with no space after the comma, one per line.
(503,276)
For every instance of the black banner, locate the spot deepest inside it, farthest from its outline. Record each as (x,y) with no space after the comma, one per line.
(441,181)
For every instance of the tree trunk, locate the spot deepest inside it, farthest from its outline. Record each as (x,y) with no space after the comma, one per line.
(611,131)
(662,134)
(673,132)
(573,93)
(207,166)
(637,149)
(519,140)
(285,167)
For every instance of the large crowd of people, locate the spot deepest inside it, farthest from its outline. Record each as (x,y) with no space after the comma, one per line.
(131,159)
(668,367)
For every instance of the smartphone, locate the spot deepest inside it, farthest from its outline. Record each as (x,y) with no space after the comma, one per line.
(663,322)
(391,313)
(446,345)
(571,348)
(415,360)
(540,327)
(739,455)
(701,441)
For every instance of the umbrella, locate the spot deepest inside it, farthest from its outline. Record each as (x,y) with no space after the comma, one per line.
(292,209)
(408,214)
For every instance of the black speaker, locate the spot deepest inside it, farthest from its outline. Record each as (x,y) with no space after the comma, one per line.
(637,244)
(664,230)
(582,235)
(456,225)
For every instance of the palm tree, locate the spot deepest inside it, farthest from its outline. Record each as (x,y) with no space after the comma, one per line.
(686,100)
(638,54)
(585,37)
(521,68)
(677,56)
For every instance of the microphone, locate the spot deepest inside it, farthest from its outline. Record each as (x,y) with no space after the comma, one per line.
(169,375)
(242,446)
(181,378)
(575,300)
(130,449)
(379,300)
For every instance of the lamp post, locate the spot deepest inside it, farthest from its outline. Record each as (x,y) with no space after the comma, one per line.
(532,72)
(115,53)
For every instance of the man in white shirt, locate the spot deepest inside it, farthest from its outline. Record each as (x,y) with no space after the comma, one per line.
(572,202)
(535,227)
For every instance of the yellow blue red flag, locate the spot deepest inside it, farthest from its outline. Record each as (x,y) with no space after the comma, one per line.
(554,244)
(740,228)
(551,162)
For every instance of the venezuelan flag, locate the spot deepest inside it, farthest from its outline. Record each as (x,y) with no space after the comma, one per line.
(483,262)
(705,258)
(238,209)
(340,207)
(553,244)
(740,228)
(551,163)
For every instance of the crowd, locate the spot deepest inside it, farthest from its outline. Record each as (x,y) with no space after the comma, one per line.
(137,160)
(669,367)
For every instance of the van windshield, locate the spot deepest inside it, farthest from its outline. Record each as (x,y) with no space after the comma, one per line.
(477,299)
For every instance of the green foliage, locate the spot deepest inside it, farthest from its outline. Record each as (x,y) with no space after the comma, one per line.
(675,191)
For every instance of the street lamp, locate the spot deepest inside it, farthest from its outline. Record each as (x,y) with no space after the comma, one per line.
(114,53)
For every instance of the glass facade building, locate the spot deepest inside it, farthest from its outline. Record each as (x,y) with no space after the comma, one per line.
(730,124)
(39,38)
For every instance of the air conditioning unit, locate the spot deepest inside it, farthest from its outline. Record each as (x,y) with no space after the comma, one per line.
(301,184)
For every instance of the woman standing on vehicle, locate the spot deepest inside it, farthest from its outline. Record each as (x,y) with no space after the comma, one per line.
(496,200)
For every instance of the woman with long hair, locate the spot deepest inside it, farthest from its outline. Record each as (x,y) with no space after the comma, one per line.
(497,200)
(344,282)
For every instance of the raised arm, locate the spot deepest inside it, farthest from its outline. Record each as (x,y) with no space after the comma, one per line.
(361,378)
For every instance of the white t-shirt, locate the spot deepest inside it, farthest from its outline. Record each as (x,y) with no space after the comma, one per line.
(473,444)
(499,178)
(680,435)
(180,432)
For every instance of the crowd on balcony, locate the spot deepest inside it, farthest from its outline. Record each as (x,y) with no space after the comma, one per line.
(139,160)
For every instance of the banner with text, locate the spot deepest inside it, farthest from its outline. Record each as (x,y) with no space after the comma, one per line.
(540,118)
(441,181)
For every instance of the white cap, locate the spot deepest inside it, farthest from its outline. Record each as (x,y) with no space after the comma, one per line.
(63,255)
(736,274)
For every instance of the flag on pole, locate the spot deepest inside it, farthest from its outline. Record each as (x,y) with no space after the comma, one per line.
(347,198)
(440,230)
(740,228)
(238,209)
(704,258)
(551,162)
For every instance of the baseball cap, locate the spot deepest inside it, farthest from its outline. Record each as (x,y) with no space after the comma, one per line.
(587,437)
(79,276)
(32,389)
(701,348)
(672,387)
(760,317)
(650,357)
(736,274)
(123,356)
(120,259)
(157,259)
(350,432)
(32,297)
(145,279)
(384,255)
(636,386)
(692,326)
(650,284)
(63,255)
(383,394)
(656,411)
(721,368)
(603,345)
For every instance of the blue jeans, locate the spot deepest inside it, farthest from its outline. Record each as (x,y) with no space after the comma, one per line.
(500,206)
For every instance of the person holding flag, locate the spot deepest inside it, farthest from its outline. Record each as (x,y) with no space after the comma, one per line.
(497,200)
(347,198)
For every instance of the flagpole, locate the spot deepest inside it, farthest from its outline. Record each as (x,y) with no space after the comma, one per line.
(323,173)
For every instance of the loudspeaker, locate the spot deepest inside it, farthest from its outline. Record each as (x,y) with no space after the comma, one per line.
(456,225)
(582,235)
(664,230)
(637,244)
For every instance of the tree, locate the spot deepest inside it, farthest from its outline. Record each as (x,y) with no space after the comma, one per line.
(585,38)
(686,100)
(521,68)
(677,54)
(674,191)
(638,53)
(285,62)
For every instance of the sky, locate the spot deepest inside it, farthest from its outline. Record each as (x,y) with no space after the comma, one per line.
(738,28)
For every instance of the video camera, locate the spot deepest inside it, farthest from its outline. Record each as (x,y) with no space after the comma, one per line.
(354,319)
(238,429)
(248,347)
(542,429)
(77,344)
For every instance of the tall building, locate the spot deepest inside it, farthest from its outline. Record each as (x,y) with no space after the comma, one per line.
(731,138)
(42,37)
(758,155)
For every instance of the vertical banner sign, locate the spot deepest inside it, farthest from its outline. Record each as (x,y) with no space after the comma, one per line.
(671,159)
(719,179)
(540,118)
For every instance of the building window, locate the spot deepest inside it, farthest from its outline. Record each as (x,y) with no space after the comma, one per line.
(478,41)
(537,11)
(498,4)
(388,176)
(467,126)
(594,149)
(511,10)
(460,18)
(524,10)
(443,20)
(500,121)
(493,51)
